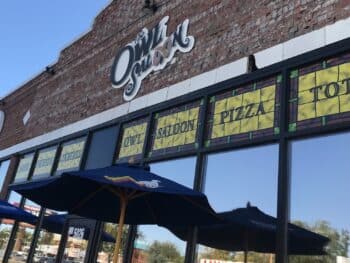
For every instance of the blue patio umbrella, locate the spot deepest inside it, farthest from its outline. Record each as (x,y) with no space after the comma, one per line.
(12,212)
(55,224)
(129,193)
(249,229)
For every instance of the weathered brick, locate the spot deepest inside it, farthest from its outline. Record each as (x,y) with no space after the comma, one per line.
(81,85)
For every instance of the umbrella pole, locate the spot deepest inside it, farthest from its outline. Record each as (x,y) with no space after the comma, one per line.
(245,256)
(123,203)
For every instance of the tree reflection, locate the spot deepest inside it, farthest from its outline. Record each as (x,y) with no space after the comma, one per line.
(338,246)
(164,252)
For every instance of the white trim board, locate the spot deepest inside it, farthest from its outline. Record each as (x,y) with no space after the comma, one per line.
(293,47)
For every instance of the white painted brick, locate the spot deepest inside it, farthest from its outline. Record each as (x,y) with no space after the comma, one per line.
(231,70)
(138,103)
(304,43)
(269,56)
(157,96)
(120,110)
(26,117)
(338,31)
(203,80)
(179,89)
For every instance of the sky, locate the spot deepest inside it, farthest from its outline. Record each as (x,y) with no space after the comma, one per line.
(34,32)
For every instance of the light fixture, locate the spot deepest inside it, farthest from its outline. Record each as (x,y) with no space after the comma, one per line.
(50,70)
(251,65)
(150,5)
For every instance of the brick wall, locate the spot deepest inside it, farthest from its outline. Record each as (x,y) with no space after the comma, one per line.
(225,30)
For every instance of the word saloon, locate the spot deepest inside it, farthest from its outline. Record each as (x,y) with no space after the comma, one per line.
(152,50)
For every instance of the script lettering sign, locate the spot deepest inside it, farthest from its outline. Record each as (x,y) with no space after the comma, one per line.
(151,51)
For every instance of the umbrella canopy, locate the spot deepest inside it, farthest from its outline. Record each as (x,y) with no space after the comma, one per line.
(12,212)
(130,193)
(55,223)
(249,229)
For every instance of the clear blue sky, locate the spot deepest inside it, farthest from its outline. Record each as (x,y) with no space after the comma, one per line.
(34,32)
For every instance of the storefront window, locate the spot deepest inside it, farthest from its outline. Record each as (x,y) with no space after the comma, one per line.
(24,235)
(235,178)
(48,243)
(320,193)
(75,250)
(77,243)
(157,244)
(4,166)
(106,252)
(101,148)
(7,225)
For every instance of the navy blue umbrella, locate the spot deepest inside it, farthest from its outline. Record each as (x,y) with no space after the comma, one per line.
(55,223)
(130,193)
(249,229)
(12,212)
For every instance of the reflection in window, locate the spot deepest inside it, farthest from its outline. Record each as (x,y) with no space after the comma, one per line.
(48,243)
(24,235)
(7,224)
(235,178)
(106,252)
(157,244)
(320,193)
(76,245)
(5,232)
(4,166)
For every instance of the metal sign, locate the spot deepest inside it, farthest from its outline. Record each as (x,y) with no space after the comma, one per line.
(151,51)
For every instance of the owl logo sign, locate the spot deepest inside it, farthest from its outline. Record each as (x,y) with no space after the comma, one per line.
(151,51)
(129,179)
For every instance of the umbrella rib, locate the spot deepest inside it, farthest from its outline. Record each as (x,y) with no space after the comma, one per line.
(150,209)
(88,198)
(131,196)
(134,195)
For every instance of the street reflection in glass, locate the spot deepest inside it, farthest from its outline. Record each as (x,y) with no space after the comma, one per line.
(106,251)
(48,243)
(7,224)
(76,245)
(24,235)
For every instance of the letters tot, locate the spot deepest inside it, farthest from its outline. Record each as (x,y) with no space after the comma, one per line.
(330,89)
